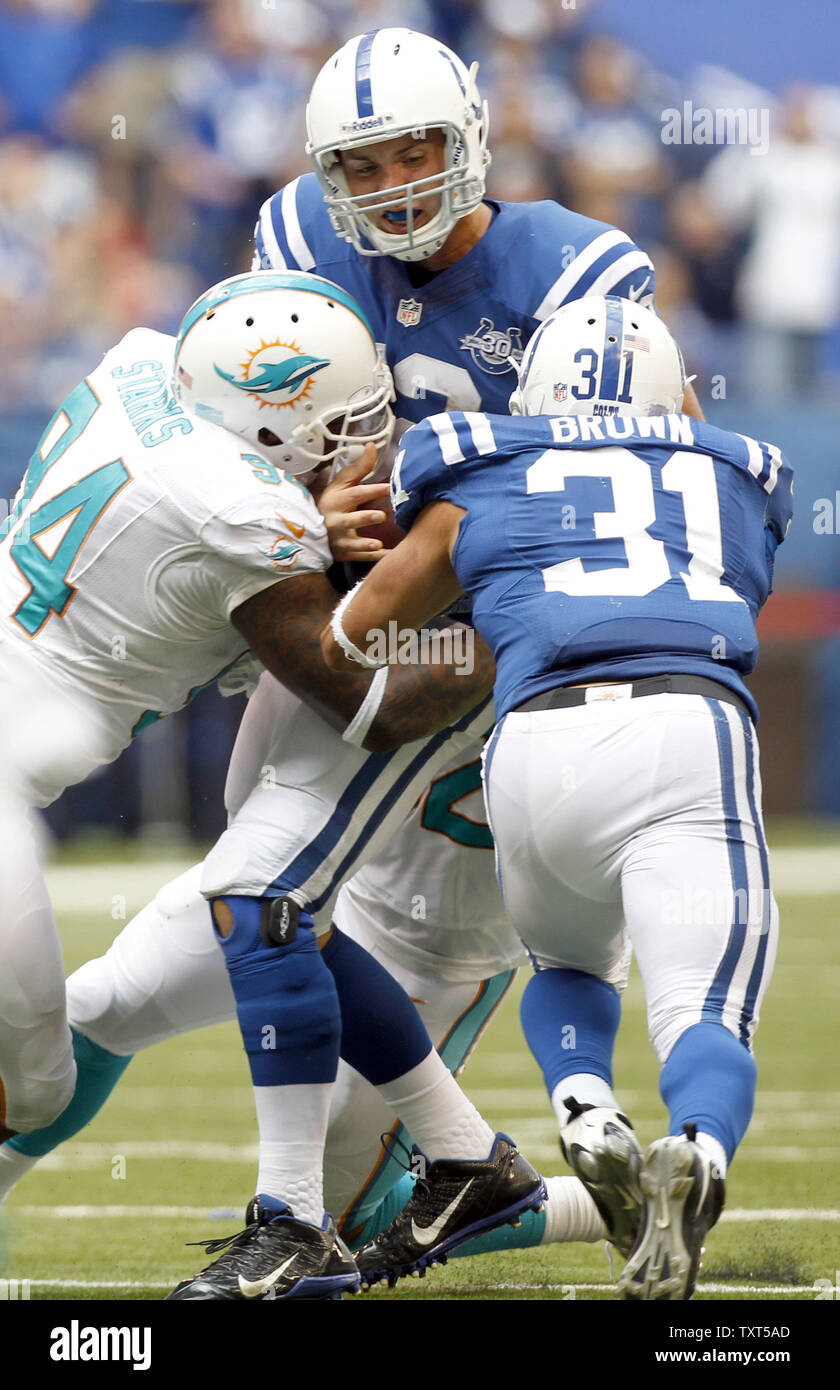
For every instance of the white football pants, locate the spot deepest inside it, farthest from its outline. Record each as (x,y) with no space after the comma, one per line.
(641,815)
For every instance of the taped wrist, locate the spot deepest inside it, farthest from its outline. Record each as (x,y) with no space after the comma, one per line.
(349,648)
(286,999)
(359,727)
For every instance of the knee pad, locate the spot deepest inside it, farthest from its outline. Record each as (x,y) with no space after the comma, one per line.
(161,976)
(98,1072)
(38,1073)
(286,1000)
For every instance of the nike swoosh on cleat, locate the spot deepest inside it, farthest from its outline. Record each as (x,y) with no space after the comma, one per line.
(637,294)
(261,1286)
(425,1235)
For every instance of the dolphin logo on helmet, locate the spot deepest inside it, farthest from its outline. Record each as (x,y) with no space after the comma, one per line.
(279,376)
(249,356)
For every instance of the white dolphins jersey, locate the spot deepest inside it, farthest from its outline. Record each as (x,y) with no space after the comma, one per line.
(430,898)
(136,532)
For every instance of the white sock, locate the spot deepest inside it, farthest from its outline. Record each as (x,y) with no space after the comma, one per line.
(13,1166)
(570,1213)
(715,1150)
(293,1125)
(587,1089)
(440,1119)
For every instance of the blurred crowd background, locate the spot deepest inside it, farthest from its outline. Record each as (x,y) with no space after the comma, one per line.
(138,139)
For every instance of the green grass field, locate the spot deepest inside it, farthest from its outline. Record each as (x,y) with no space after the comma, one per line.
(171,1158)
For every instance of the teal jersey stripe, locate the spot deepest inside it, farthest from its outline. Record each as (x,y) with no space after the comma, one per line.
(459,1042)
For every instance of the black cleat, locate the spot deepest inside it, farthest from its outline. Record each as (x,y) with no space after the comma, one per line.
(454,1202)
(274,1257)
(601,1148)
(684,1197)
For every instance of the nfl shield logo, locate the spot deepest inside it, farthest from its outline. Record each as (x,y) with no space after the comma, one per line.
(408,313)
(560,391)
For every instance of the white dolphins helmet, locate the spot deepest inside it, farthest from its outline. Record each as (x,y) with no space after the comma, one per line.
(600,356)
(289,362)
(388,83)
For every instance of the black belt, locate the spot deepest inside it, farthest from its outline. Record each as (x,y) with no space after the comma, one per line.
(566,696)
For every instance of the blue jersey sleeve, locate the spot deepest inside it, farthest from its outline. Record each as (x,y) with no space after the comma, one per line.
(574,256)
(779,513)
(780,504)
(772,473)
(425,467)
(419,474)
(294,230)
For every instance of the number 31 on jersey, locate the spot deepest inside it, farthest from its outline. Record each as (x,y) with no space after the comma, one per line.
(647,568)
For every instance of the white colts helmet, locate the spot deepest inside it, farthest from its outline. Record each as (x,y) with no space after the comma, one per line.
(388,83)
(600,356)
(288,361)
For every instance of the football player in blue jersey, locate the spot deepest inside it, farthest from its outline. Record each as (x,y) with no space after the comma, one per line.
(395,212)
(616,553)
(454,284)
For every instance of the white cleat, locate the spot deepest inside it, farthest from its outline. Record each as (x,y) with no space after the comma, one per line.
(683,1195)
(601,1148)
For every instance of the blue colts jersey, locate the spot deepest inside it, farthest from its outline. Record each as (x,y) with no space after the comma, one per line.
(452,342)
(604,549)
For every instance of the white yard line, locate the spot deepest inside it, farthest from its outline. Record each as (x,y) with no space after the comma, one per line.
(103,889)
(781,1214)
(805,872)
(81,1157)
(89,1211)
(757,1289)
(88,1154)
(150,1213)
(93,888)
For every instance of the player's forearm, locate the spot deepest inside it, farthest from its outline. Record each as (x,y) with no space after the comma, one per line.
(282,626)
(408,588)
(436,681)
(446,673)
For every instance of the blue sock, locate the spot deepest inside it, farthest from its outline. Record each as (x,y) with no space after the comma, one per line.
(570,1021)
(286,999)
(709,1080)
(382,1036)
(97,1073)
